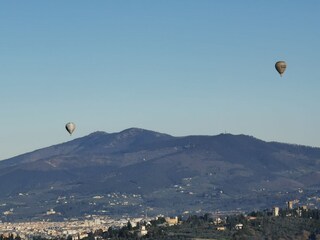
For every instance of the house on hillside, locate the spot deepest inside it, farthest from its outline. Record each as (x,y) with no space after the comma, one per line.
(221,228)
(251,218)
(239,226)
(217,221)
(172,221)
(142,231)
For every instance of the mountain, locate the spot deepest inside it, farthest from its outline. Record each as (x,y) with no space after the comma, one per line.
(136,169)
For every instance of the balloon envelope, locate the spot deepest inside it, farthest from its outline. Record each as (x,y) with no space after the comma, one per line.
(70,127)
(281,67)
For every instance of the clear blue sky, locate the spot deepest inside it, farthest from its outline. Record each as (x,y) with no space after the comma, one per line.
(179,67)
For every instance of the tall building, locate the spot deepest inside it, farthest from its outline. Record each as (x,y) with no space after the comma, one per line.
(275,211)
(290,205)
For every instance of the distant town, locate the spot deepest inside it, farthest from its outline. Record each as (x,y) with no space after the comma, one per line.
(227,224)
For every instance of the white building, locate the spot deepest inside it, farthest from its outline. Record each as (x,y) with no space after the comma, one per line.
(239,226)
(143,231)
(275,211)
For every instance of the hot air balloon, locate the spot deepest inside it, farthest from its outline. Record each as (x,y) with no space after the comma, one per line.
(281,67)
(70,127)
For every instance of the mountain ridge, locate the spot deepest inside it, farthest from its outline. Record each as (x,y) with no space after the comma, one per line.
(167,172)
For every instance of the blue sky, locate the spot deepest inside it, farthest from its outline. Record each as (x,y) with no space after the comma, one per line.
(178,67)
